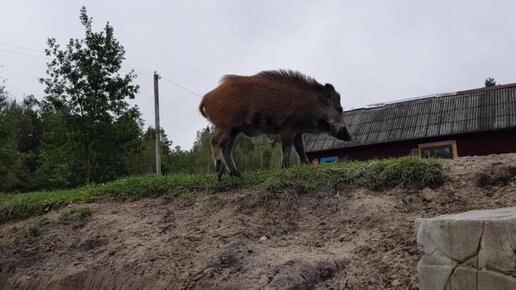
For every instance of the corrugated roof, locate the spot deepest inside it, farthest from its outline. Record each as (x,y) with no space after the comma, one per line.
(439,115)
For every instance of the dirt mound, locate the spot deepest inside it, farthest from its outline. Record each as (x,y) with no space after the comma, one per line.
(303,275)
(359,239)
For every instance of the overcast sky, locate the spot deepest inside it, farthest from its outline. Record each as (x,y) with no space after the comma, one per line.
(371,51)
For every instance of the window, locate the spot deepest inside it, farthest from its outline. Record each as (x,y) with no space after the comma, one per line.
(442,152)
(445,149)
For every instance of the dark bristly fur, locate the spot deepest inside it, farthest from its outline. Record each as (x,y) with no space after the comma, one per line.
(284,75)
(291,76)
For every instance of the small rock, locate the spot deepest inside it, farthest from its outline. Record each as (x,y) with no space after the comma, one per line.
(428,194)
(263,238)
(407,200)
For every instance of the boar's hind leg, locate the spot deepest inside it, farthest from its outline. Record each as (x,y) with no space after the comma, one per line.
(228,157)
(286,145)
(300,148)
(217,142)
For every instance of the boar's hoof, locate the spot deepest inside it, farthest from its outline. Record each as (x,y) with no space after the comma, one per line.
(219,168)
(219,174)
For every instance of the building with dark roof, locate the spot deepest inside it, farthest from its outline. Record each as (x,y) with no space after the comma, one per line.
(473,122)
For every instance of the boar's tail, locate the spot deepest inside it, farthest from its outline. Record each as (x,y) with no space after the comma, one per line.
(201,109)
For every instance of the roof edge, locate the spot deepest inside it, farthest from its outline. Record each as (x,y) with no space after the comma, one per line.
(407,100)
(485,89)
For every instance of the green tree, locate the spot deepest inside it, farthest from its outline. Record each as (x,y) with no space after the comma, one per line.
(143,160)
(181,161)
(256,153)
(202,159)
(85,87)
(4,106)
(490,82)
(20,138)
(3,96)
(59,154)
(10,165)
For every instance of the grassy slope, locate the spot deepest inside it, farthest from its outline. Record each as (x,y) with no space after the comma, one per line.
(376,175)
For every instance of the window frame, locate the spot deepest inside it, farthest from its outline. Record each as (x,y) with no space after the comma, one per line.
(439,145)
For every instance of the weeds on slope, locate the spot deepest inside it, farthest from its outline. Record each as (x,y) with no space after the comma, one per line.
(377,175)
(411,172)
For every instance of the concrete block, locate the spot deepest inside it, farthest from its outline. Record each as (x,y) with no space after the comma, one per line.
(499,246)
(457,239)
(491,280)
(463,278)
(471,250)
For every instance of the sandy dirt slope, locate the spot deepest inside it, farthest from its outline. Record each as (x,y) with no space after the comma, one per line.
(351,239)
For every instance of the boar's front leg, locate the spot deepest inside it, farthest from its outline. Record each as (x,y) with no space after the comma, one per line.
(287,139)
(218,140)
(300,148)
(228,157)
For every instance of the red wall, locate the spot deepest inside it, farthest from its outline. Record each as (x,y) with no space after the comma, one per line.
(480,143)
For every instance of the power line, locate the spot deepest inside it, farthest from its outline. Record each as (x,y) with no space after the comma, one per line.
(21,47)
(22,53)
(137,73)
(181,87)
(140,68)
(46,57)
(42,51)
(131,67)
(142,74)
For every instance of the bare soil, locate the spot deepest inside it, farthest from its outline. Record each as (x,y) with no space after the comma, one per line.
(351,239)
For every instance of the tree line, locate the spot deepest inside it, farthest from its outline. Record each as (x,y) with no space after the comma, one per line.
(41,148)
(84,130)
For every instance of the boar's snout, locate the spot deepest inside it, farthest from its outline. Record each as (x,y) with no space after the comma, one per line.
(343,134)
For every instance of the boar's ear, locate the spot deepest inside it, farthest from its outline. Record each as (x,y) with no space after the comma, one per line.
(328,91)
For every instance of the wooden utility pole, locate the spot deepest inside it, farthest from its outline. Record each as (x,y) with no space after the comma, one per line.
(158,130)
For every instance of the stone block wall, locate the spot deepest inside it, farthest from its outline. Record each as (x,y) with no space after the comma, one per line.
(475,250)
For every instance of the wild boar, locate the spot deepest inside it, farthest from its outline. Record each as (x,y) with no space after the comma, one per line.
(282,102)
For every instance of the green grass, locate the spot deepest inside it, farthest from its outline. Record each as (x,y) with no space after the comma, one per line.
(410,172)
(33,229)
(75,216)
(377,175)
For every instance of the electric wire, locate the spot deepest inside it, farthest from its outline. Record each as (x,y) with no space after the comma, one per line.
(138,70)
(181,87)
(22,53)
